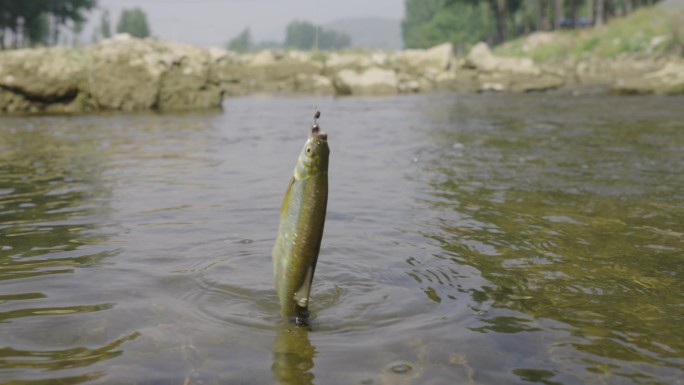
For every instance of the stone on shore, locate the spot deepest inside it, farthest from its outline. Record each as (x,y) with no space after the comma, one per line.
(668,80)
(129,74)
(32,79)
(509,73)
(436,59)
(373,81)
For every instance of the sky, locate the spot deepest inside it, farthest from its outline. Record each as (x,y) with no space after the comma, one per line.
(214,22)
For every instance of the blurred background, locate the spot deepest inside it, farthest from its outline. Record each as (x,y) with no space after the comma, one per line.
(252,25)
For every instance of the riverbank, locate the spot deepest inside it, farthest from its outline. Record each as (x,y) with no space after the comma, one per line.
(128,74)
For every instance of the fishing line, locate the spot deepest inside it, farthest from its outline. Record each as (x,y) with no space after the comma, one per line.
(317,114)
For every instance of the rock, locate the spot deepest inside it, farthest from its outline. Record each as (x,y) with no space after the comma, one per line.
(313,84)
(373,81)
(185,83)
(510,73)
(44,75)
(262,58)
(121,73)
(337,62)
(125,74)
(438,58)
(668,80)
(481,58)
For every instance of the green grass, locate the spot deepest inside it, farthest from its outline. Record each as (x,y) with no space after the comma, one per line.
(635,34)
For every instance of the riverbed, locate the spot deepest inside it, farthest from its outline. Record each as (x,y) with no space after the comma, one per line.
(470,239)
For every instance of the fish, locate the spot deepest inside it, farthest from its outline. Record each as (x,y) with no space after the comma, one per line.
(302,219)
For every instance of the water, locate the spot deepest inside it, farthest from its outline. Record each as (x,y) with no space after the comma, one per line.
(479,239)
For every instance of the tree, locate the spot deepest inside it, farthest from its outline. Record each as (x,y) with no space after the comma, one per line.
(24,23)
(328,39)
(418,14)
(241,42)
(77,29)
(462,22)
(134,22)
(431,22)
(306,36)
(38,30)
(105,25)
(65,11)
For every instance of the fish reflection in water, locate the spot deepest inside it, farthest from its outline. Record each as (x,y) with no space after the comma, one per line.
(293,356)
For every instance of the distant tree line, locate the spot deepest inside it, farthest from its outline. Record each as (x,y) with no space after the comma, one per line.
(27,23)
(298,34)
(30,22)
(132,21)
(464,22)
(306,36)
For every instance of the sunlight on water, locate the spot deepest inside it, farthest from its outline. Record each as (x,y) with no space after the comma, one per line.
(480,239)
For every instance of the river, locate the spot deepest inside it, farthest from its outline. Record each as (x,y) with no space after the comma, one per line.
(470,239)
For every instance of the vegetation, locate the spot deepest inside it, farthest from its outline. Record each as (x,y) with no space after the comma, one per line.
(648,31)
(39,22)
(298,34)
(464,22)
(241,42)
(133,21)
(306,36)
(105,25)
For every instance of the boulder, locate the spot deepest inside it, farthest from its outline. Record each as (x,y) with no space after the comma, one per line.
(373,81)
(125,73)
(141,74)
(261,58)
(313,84)
(509,73)
(668,80)
(339,61)
(481,58)
(44,74)
(437,59)
(186,81)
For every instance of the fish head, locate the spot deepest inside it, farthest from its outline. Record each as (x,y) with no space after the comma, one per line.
(313,160)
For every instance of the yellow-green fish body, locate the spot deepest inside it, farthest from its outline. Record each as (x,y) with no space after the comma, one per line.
(302,218)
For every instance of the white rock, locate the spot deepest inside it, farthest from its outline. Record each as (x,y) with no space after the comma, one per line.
(263,58)
(340,61)
(372,81)
(481,57)
(438,58)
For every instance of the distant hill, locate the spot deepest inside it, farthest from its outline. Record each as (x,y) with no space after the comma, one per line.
(370,32)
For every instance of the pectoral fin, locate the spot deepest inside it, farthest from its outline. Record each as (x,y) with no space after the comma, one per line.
(301,296)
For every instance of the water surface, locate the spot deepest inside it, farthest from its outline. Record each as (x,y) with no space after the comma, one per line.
(473,239)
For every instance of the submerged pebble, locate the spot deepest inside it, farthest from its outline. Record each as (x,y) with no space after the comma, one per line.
(400,368)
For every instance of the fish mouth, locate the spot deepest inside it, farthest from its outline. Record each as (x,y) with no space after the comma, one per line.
(317,133)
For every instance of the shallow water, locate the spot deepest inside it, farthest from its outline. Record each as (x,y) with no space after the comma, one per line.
(479,239)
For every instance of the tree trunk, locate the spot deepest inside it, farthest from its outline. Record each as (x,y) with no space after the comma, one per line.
(590,11)
(504,20)
(573,14)
(608,10)
(499,10)
(542,16)
(558,13)
(600,13)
